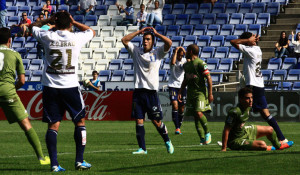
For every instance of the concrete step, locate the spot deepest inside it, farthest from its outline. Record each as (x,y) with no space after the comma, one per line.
(287,21)
(293,5)
(268,38)
(292,11)
(274,32)
(267,49)
(282,26)
(268,54)
(267,43)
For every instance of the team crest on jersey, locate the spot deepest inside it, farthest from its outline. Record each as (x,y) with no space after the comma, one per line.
(205,67)
(154,108)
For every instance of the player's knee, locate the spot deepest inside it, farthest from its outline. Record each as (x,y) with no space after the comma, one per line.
(139,121)
(157,123)
(262,145)
(270,130)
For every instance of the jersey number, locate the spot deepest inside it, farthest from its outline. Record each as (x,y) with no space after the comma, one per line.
(59,57)
(1,60)
(257,70)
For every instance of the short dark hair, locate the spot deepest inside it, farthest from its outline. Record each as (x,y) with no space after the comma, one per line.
(5,34)
(194,48)
(95,72)
(246,35)
(242,92)
(142,5)
(149,33)
(129,2)
(62,20)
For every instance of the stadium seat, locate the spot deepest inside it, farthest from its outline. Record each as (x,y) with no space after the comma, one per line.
(221,52)
(226,64)
(36,64)
(96,29)
(163,75)
(234,54)
(203,40)
(259,7)
(88,64)
(249,18)
(63,7)
(73,9)
(107,31)
(263,19)
(118,75)
(245,8)
(109,42)
(296,86)
(182,19)
(189,39)
(178,9)
(110,2)
(18,42)
(213,63)
(137,40)
(232,8)
(104,20)
(120,31)
(115,19)
(289,63)
(85,53)
(196,19)
(27,75)
(96,42)
(112,10)
(127,64)
(30,42)
(228,39)
(79,18)
(240,28)
(285,86)
(176,41)
(166,64)
(115,64)
(222,18)
(161,29)
(216,77)
(236,18)
(218,8)
(36,10)
(273,8)
(112,53)
(91,20)
(124,53)
(167,9)
(26,63)
(100,10)
(159,42)
(282,2)
(129,75)
(294,74)
(10,3)
(13,20)
(101,64)
(186,30)
(213,29)
(209,18)
(266,74)
(32,54)
(104,75)
(24,9)
(227,29)
(207,52)
(254,28)
(36,75)
(169,19)
(173,30)
(191,8)
(217,40)
(279,75)
(205,8)
(200,29)
(274,64)
(21,3)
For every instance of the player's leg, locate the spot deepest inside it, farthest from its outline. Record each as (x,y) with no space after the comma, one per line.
(269,133)
(51,141)
(181,107)
(199,130)
(173,98)
(203,120)
(163,131)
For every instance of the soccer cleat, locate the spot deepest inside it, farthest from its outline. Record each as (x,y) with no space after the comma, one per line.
(82,166)
(57,168)
(177,131)
(285,141)
(140,151)
(207,139)
(220,143)
(45,161)
(170,147)
(202,141)
(271,148)
(285,145)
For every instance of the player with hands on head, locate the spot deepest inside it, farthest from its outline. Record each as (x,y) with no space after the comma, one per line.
(199,97)
(146,61)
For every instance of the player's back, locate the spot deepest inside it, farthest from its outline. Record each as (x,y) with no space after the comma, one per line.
(10,62)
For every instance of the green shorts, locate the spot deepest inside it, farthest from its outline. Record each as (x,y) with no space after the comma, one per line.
(245,142)
(13,108)
(198,103)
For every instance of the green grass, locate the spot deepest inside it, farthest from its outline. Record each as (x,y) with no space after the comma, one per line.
(109,147)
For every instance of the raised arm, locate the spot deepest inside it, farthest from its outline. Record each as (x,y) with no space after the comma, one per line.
(174,56)
(250,41)
(80,26)
(166,40)
(225,135)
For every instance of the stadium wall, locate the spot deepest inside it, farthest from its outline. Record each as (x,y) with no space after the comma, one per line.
(116,105)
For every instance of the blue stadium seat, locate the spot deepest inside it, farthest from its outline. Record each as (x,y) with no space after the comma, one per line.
(221,52)
(209,18)
(104,75)
(36,64)
(254,28)
(30,42)
(189,39)
(228,39)
(226,64)
(33,3)
(285,86)
(196,19)
(91,20)
(100,10)
(227,29)
(259,7)
(26,9)
(232,8)
(63,7)
(207,52)
(12,11)
(240,28)
(178,9)
(159,42)
(74,8)
(263,19)
(234,54)
(289,63)
(13,20)
(18,42)
(173,30)
(26,63)
(127,64)
(129,75)
(27,75)
(296,86)
(167,9)
(176,41)
(163,75)
(36,10)
(32,54)
(239,1)
(213,63)
(217,40)
(274,64)
(21,3)
(191,8)
(282,2)
(216,77)
(267,75)
(205,8)
(118,75)
(186,30)
(249,18)
(124,53)
(182,19)
(222,18)
(273,8)
(36,75)
(137,40)
(236,18)
(115,64)
(22,52)
(294,74)
(218,8)
(166,64)
(200,29)
(279,75)
(169,19)
(203,40)
(79,18)
(110,2)
(10,3)
(245,8)
(161,29)
(213,29)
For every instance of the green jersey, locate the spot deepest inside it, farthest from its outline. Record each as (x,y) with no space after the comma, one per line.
(10,62)
(236,119)
(195,74)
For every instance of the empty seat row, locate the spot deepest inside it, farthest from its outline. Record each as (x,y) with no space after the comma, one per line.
(284,86)
(278,63)
(280,75)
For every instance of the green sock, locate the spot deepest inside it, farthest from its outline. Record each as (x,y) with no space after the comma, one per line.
(274,140)
(199,129)
(33,139)
(203,122)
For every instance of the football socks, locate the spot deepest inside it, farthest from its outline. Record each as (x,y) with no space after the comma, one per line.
(35,143)
(175,118)
(80,140)
(163,132)
(272,122)
(203,122)
(180,119)
(199,129)
(51,141)
(140,136)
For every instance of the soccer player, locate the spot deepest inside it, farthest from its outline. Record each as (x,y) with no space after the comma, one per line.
(247,44)
(61,88)
(11,62)
(237,136)
(147,61)
(176,78)
(198,96)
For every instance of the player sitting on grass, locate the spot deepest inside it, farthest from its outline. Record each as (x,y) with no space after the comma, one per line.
(237,136)
(11,61)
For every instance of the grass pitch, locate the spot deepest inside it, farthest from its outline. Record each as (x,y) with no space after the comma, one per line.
(109,147)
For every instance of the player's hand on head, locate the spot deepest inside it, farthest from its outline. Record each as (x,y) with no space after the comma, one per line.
(292,32)
(72,19)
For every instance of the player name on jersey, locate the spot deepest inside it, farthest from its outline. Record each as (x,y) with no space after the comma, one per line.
(68,70)
(61,44)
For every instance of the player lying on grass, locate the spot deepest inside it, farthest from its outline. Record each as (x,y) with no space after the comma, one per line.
(237,136)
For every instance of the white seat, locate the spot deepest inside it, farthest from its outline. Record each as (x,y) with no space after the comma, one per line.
(104,20)
(80,75)
(107,31)
(132,29)
(88,64)
(97,30)
(109,42)
(96,42)
(120,31)
(99,53)
(119,43)
(85,53)
(88,74)
(112,53)
(101,64)
(112,11)
(115,19)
